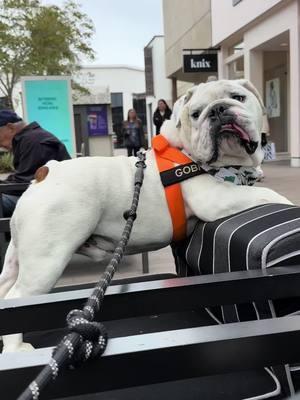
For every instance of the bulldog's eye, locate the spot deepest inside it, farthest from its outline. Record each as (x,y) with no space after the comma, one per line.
(195,114)
(239,97)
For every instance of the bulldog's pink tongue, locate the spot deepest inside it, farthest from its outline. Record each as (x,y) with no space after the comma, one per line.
(238,129)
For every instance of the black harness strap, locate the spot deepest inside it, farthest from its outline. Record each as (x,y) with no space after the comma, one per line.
(181,173)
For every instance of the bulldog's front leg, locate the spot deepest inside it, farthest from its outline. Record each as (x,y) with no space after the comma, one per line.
(210,199)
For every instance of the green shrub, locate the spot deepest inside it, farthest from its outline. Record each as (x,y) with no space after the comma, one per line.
(6,163)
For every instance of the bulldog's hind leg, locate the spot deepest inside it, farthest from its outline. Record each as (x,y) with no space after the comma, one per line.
(43,255)
(38,273)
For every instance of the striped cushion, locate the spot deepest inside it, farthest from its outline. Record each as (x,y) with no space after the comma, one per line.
(252,239)
(260,237)
(263,236)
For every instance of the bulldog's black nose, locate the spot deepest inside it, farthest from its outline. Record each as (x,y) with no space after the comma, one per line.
(217,110)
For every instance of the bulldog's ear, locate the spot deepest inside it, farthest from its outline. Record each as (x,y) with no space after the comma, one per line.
(190,93)
(249,86)
(185,121)
(180,103)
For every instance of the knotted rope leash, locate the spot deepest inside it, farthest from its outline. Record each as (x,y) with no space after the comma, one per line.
(88,339)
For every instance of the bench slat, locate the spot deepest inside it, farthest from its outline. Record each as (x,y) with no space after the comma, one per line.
(163,356)
(11,187)
(138,299)
(4,224)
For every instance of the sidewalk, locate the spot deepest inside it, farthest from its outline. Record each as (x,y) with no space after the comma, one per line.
(283,179)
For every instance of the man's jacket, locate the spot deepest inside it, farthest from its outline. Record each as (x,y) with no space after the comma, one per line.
(33,147)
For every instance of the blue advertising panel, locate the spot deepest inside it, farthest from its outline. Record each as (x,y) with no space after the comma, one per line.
(97,120)
(48,101)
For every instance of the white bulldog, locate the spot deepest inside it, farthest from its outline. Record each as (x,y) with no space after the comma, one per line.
(217,123)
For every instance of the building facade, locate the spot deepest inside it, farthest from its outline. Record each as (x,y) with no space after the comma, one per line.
(257,40)
(157,85)
(262,44)
(127,88)
(187,25)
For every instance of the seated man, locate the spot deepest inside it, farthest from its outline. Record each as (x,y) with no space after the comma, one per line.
(31,146)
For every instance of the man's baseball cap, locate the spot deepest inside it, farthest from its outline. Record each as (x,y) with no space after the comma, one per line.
(7,116)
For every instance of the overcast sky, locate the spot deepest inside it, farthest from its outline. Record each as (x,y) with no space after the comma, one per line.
(122,27)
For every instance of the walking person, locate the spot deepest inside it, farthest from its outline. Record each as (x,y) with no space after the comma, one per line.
(133,133)
(161,113)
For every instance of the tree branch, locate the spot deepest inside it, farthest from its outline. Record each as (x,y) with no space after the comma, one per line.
(4,85)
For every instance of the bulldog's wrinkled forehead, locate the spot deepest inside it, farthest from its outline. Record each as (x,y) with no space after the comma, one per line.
(207,93)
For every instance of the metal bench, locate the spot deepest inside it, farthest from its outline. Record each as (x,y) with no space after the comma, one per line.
(4,222)
(169,347)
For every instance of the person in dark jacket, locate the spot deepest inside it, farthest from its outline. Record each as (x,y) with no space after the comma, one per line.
(31,146)
(161,113)
(133,133)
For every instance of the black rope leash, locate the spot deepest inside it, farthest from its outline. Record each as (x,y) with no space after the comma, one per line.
(88,339)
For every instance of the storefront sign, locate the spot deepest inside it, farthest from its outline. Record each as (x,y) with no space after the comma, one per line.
(204,62)
(48,101)
(97,120)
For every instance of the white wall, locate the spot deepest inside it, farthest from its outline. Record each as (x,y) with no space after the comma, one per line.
(187,25)
(119,79)
(228,19)
(286,19)
(279,20)
(162,85)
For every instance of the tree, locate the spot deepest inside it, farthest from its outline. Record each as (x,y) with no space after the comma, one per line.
(41,40)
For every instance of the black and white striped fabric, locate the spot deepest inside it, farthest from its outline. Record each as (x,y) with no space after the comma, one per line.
(257,238)
(260,237)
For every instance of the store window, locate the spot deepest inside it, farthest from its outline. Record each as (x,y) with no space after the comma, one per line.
(139,104)
(236,48)
(117,117)
(236,69)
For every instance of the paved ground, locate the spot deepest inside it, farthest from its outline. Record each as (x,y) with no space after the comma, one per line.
(285,180)
(278,176)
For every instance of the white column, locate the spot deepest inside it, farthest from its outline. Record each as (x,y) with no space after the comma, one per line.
(222,67)
(254,68)
(294,109)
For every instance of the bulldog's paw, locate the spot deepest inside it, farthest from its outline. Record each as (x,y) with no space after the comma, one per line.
(22,347)
(269,196)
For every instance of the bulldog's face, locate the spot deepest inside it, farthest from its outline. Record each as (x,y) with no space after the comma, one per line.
(220,123)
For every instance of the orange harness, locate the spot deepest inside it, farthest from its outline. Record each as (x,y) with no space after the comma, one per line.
(166,158)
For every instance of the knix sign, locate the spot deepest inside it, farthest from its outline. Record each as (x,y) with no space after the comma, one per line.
(200,62)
